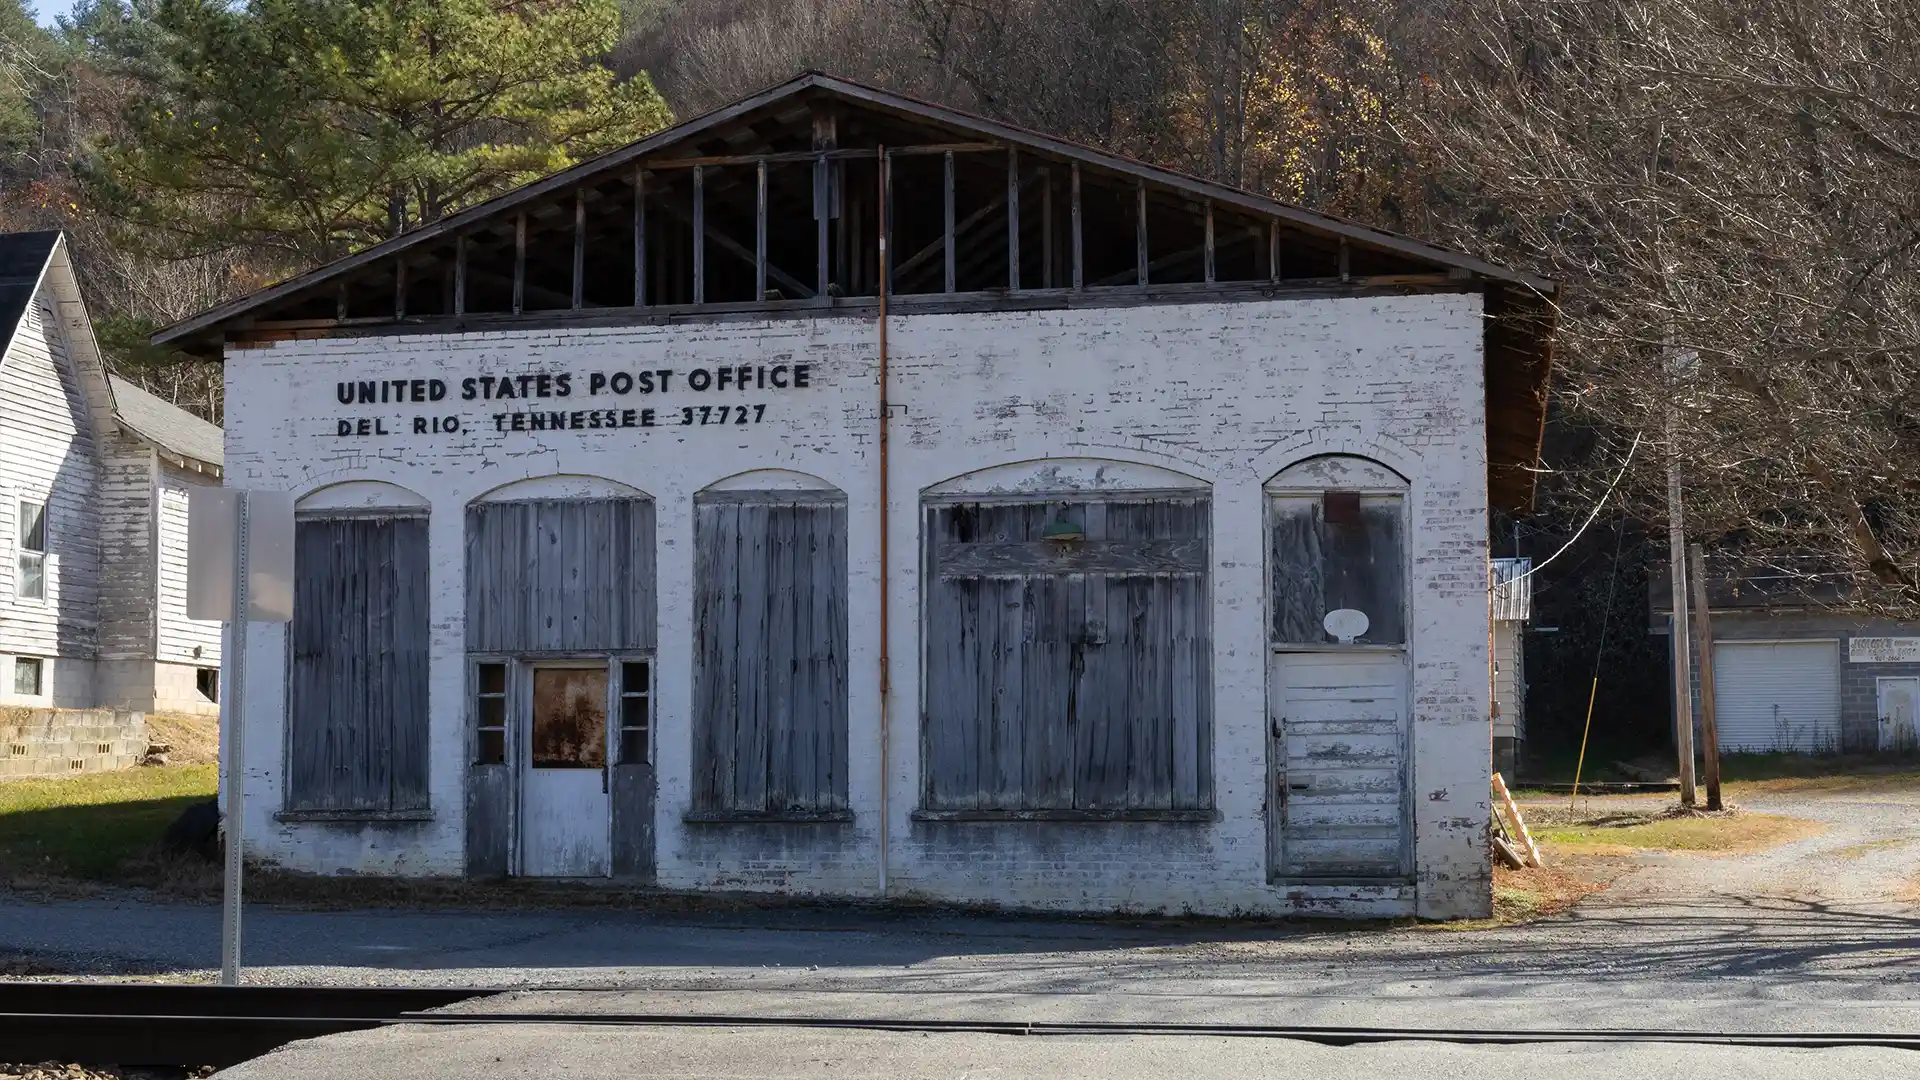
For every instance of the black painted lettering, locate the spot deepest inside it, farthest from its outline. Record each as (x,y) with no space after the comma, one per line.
(419,425)
(726,376)
(627,418)
(622,382)
(343,391)
(666,379)
(504,388)
(740,380)
(699,379)
(499,421)
(760,378)
(519,421)
(486,387)
(801,372)
(468,391)
(646,417)
(779,376)
(543,384)
(419,390)
(436,389)
(563,385)
(367,393)
(363,427)
(645,381)
(380,426)
(345,429)
(525,382)
(596,382)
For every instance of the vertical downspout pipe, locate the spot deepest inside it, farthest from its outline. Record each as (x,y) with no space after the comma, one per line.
(886,585)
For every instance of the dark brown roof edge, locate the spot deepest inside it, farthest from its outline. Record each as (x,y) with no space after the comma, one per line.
(883,99)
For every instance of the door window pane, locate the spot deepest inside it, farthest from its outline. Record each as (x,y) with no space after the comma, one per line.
(635,712)
(569,718)
(490,715)
(1341,551)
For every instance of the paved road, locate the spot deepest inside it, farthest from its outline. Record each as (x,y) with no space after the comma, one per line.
(790,1054)
(1801,938)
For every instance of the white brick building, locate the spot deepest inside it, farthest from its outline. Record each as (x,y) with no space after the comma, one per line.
(94,475)
(611,561)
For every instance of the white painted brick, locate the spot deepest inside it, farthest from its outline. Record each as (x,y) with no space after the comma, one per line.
(1228,393)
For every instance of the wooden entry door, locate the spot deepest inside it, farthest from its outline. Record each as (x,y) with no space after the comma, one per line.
(565,808)
(1899,700)
(1337,766)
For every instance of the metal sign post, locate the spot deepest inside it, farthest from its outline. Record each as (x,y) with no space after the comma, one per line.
(234,752)
(239,571)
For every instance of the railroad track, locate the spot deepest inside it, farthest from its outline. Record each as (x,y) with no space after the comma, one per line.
(187,1026)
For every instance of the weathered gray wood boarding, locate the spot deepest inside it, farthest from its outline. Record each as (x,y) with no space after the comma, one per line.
(1068,659)
(842,495)
(94,476)
(357,673)
(770,660)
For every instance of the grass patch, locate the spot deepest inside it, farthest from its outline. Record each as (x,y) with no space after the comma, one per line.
(90,827)
(192,740)
(1716,834)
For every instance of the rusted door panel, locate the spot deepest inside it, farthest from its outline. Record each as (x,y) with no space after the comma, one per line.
(564,797)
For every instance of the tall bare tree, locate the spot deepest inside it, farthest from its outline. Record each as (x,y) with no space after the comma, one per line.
(1733,188)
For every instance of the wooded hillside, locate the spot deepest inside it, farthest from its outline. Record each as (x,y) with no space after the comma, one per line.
(1730,189)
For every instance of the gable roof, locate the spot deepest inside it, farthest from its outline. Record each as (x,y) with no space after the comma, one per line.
(23,262)
(167,426)
(532,242)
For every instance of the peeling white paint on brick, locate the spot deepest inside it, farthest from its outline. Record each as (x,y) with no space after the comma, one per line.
(1229,393)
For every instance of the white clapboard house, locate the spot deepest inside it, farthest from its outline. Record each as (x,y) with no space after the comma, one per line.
(839,494)
(94,477)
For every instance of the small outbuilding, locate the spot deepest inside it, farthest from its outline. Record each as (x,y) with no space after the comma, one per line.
(94,478)
(1798,666)
(842,495)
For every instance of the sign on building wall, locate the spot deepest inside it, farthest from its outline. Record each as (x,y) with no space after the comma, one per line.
(731,395)
(1883,650)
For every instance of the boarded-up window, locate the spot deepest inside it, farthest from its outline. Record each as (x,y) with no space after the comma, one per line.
(357,688)
(560,576)
(770,654)
(1068,657)
(1336,551)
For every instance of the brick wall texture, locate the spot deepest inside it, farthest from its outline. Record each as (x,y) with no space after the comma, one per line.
(1226,394)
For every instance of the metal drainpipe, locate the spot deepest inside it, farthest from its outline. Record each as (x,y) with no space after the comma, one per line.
(886,663)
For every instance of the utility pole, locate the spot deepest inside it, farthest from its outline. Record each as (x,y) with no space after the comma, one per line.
(1677,565)
(1709,725)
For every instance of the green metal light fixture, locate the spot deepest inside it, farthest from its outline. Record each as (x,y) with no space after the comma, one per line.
(1062,531)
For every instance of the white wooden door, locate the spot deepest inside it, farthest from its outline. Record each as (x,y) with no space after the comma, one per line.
(565,810)
(1337,728)
(1899,711)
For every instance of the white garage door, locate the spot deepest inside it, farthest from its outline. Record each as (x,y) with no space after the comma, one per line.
(1778,695)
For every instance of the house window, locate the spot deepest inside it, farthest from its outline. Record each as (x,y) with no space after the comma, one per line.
(28,676)
(32,581)
(490,715)
(207,681)
(636,709)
